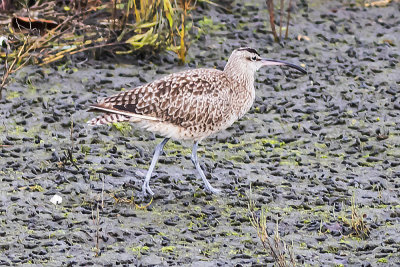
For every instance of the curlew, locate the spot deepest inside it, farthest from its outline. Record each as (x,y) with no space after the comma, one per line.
(189,105)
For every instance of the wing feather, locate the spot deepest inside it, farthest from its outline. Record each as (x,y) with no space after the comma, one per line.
(183,99)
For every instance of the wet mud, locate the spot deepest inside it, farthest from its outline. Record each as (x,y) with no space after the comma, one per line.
(311,147)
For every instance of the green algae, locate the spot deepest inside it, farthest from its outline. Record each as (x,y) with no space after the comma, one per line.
(168,249)
(173,149)
(12,94)
(138,250)
(122,127)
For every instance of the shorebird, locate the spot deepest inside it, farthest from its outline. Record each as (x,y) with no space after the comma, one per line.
(189,105)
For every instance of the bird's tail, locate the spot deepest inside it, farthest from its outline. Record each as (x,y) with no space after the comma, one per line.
(107,118)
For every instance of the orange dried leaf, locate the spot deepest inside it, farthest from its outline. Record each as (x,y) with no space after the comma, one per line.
(390,42)
(26,23)
(303,37)
(380,3)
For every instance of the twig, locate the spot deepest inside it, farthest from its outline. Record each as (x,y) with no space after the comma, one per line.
(96,221)
(280,20)
(42,50)
(102,193)
(69,152)
(25,51)
(114,9)
(62,53)
(270,5)
(288,19)
(10,69)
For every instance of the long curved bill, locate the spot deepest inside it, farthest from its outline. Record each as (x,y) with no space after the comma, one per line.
(274,62)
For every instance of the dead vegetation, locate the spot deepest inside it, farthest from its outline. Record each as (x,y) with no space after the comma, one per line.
(270,8)
(274,245)
(99,204)
(130,201)
(53,30)
(356,221)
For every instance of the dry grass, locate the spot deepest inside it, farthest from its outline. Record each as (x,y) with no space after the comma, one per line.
(357,222)
(354,223)
(130,201)
(277,248)
(96,220)
(118,27)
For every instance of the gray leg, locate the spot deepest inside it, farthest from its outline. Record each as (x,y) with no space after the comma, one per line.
(159,148)
(200,171)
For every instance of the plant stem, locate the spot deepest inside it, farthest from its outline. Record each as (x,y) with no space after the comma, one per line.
(270,5)
(288,19)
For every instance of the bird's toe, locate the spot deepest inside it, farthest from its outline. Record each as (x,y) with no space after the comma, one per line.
(146,190)
(214,190)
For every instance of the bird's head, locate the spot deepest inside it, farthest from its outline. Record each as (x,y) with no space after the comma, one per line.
(249,60)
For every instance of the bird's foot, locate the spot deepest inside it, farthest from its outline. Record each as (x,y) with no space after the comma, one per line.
(146,189)
(213,190)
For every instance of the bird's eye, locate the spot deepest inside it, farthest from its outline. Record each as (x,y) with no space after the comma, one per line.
(253,58)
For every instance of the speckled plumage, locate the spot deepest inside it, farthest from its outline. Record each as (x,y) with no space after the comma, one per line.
(188,105)
(192,104)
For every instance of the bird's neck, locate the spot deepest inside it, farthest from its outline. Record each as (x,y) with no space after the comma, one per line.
(240,75)
(242,83)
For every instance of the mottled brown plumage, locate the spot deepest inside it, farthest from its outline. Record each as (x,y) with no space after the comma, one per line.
(189,105)
(199,102)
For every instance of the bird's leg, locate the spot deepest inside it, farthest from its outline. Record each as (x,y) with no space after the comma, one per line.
(159,148)
(195,161)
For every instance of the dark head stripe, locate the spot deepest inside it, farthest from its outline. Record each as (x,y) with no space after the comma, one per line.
(251,50)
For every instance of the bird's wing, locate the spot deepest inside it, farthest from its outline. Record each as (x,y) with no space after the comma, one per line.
(183,99)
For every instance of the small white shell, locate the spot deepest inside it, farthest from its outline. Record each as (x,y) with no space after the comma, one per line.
(56,199)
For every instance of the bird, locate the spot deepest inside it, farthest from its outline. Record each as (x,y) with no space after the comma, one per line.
(189,105)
